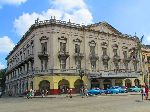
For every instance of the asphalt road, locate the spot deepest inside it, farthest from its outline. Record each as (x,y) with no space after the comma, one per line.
(129,103)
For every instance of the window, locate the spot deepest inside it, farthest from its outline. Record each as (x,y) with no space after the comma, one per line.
(77,48)
(62,47)
(63,64)
(104,51)
(115,52)
(92,49)
(44,47)
(125,54)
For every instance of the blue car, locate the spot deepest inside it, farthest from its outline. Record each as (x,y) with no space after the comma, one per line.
(113,90)
(96,91)
(134,89)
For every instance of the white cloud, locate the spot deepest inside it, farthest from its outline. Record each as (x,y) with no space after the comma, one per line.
(2,66)
(13,2)
(6,45)
(75,10)
(146,40)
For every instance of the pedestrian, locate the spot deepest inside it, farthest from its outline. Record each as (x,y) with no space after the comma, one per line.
(42,92)
(46,92)
(70,92)
(29,94)
(86,92)
(143,92)
(146,92)
(82,91)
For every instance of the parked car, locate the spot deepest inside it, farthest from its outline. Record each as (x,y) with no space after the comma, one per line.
(113,90)
(125,89)
(134,89)
(95,91)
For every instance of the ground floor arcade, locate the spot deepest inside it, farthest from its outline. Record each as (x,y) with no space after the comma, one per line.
(60,84)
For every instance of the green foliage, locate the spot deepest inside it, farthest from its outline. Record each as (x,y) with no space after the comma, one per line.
(2,78)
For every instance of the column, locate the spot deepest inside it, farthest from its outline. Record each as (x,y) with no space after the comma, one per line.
(29,66)
(133,84)
(123,82)
(113,82)
(25,67)
(101,84)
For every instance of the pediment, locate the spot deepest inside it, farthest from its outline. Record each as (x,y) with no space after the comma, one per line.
(104,27)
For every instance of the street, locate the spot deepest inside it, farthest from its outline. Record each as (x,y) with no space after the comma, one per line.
(115,103)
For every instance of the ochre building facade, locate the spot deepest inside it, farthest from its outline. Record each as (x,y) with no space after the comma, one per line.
(56,55)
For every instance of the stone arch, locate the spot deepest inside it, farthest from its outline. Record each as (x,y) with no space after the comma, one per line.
(95,83)
(128,83)
(63,85)
(78,84)
(137,82)
(107,83)
(44,85)
(118,82)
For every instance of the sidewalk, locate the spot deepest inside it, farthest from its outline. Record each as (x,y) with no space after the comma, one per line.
(57,96)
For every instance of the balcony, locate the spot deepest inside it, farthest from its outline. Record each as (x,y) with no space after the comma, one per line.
(127,59)
(43,55)
(94,57)
(116,58)
(135,60)
(63,55)
(29,57)
(105,57)
(111,74)
(78,56)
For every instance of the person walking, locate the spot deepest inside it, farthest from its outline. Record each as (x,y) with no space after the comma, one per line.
(42,92)
(143,92)
(146,92)
(70,92)
(82,91)
(86,92)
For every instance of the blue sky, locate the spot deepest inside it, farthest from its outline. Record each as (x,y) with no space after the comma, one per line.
(128,16)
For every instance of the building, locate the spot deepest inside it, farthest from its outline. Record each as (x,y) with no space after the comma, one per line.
(146,64)
(56,55)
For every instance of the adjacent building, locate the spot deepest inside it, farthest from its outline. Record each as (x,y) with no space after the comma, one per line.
(56,55)
(146,64)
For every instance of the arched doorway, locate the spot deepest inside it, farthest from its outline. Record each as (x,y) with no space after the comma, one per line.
(78,84)
(107,83)
(44,85)
(95,83)
(63,85)
(128,83)
(118,82)
(137,82)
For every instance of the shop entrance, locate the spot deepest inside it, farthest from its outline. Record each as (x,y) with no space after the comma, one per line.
(107,83)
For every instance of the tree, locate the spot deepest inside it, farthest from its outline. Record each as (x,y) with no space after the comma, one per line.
(2,78)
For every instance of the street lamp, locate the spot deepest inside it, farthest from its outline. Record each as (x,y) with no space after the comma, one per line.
(81,73)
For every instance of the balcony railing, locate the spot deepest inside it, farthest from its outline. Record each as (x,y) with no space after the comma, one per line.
(94,57)
(63,55)
(113,74)
(43,54)
(30,56)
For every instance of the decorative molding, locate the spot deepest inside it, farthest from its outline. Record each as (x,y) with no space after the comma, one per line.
(92,42)
(62,38)
(77,40)
(104,44)
(43,38)
(115,46)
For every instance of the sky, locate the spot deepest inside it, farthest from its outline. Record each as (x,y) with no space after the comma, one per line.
(128,16)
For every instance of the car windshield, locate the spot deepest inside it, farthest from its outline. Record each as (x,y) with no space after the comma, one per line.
(133,87)
(113,87)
